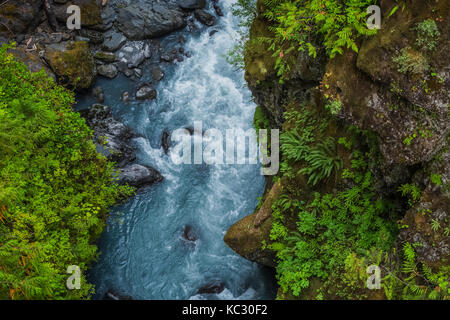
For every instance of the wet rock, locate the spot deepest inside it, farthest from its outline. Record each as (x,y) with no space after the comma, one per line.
(97,92)
(111,137)
(139,176)
(146,92)
(169,56)
(125,97)
(218,10)
(18,16)
(105,56)
(212,288)
(191,4)
(113,295)
(153,20)
(109,17)
(108,71)
(72,63)
(94,37)
(113,41)
(189,235)
(133,53)
(212,32)
(165,143)
(157,73)
(137,72)
(205,17)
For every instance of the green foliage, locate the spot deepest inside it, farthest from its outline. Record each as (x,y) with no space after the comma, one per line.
(260,120)
(334,107)
(298,24)
(415,280)
(427,34)
(334,232)
(411,62)
(322,160)
(55,189)
(245,11)
(436,179)
(412,191)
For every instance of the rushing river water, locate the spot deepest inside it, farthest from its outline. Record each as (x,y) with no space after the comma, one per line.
(142,250)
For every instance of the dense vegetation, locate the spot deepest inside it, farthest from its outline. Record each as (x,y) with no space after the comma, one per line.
(55,189)
(330,222)
(312,25)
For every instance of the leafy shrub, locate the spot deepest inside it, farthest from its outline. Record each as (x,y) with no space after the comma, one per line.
(427,34)
(55,189)
(298,24)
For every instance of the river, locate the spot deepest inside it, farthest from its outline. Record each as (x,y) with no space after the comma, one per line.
(142,250)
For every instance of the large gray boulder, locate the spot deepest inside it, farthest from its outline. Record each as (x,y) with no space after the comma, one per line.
(153,20)
(139,176)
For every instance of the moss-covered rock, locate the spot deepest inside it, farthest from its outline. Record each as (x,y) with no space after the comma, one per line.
(90,13)
(247,236)
(72,63)
(17,16)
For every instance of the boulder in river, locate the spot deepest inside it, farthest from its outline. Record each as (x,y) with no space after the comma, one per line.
(157,73)
(113,295)
(125,97)
(97,92)
(189,235)
(205,17)
(108,71)
(133,54)
(165,143)
(139,176)
(154,19)
(113,41)
(146,92)
(215,287)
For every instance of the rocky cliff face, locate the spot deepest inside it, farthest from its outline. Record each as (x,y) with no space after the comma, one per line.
(397,87)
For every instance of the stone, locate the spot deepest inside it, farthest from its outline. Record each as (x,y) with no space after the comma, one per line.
(72,63)
(165,142)
(212,288)
(189,235)
(205,17)
(146,92)
(105,56)
(139,176)
(125,97)
(191,4)
(97,92)
(108,71)
(133,53)
(153,20)
(157,73)
(113,41)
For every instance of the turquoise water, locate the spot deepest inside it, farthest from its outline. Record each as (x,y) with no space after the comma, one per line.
(142,250)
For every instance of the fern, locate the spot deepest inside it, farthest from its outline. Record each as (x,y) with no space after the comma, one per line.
(322,160)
